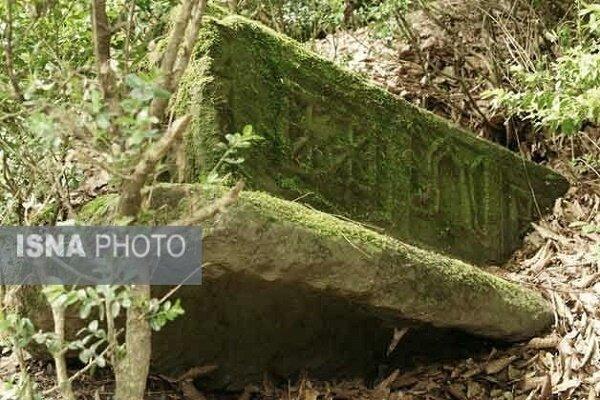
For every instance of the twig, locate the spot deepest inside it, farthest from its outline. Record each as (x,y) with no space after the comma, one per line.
(196,372)
(214,208)
(131,196)
(176,288)
(159,104)
(590,166)
(84,369)
(101,37)
(127,44)
(8,52)
(189,42)
(60,362)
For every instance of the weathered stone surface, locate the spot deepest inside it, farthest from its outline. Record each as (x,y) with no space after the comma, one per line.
(282,241)
(288,288)
(350,148)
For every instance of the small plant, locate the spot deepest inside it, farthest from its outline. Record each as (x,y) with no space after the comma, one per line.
(98,343)
(231,149)
(16,333)
(301,19)
(386,18)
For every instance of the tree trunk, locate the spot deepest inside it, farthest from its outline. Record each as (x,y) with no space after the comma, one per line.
(131,371)
(62,374)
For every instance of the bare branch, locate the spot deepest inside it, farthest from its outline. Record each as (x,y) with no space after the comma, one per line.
(85,369)
(101,33)
(131,197)
(214,208)
(60,362)
(159,105)
(128,33)
(8,52)
(190,41)
(233,5)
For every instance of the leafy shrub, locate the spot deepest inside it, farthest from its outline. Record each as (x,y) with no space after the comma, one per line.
(385,18)
(561,94)
(301,19)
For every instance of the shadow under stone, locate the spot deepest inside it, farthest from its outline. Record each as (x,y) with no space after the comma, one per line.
(251,328)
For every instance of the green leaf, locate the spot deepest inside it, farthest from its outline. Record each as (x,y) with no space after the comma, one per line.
(85,355)
(93,326)
(115,309)
(247,131)
(85,310)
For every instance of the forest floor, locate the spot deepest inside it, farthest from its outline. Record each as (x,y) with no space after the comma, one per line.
(560,257)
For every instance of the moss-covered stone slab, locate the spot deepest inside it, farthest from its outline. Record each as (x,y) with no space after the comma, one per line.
(287,288)
(348,147)
(283,241)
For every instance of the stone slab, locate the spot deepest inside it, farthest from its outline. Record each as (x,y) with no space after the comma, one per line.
(348,147)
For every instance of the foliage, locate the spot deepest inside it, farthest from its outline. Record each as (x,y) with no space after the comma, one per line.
(300,19)
(236,142)
(95,343)
(309,19)
(56,115)
(16,333)
(52,66)
(561,94)
(162,312)
(13,326)
(386,18)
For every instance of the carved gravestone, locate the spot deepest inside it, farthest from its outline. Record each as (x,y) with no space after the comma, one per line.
(350,148)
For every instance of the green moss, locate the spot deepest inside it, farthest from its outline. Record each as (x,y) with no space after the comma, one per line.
(418,282)
(98,210)
(215,10)
(46,216)
(431,264)
(348,147)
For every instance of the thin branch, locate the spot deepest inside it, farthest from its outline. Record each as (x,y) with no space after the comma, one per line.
(176,288)
(60,362)
(233,5)
(128,33)
(8,52)
(218,206)
(189,42)
(101,32)
(111,331)
(85,369)
(177,36)
(131,197)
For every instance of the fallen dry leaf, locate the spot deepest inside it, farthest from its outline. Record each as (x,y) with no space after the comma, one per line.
(548,342)
(495,366)
(566,385)
(546,389)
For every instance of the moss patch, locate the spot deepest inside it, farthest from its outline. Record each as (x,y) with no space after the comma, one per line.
(99,209)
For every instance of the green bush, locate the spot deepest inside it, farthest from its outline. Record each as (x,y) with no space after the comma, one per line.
(301,19)
(561,94)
